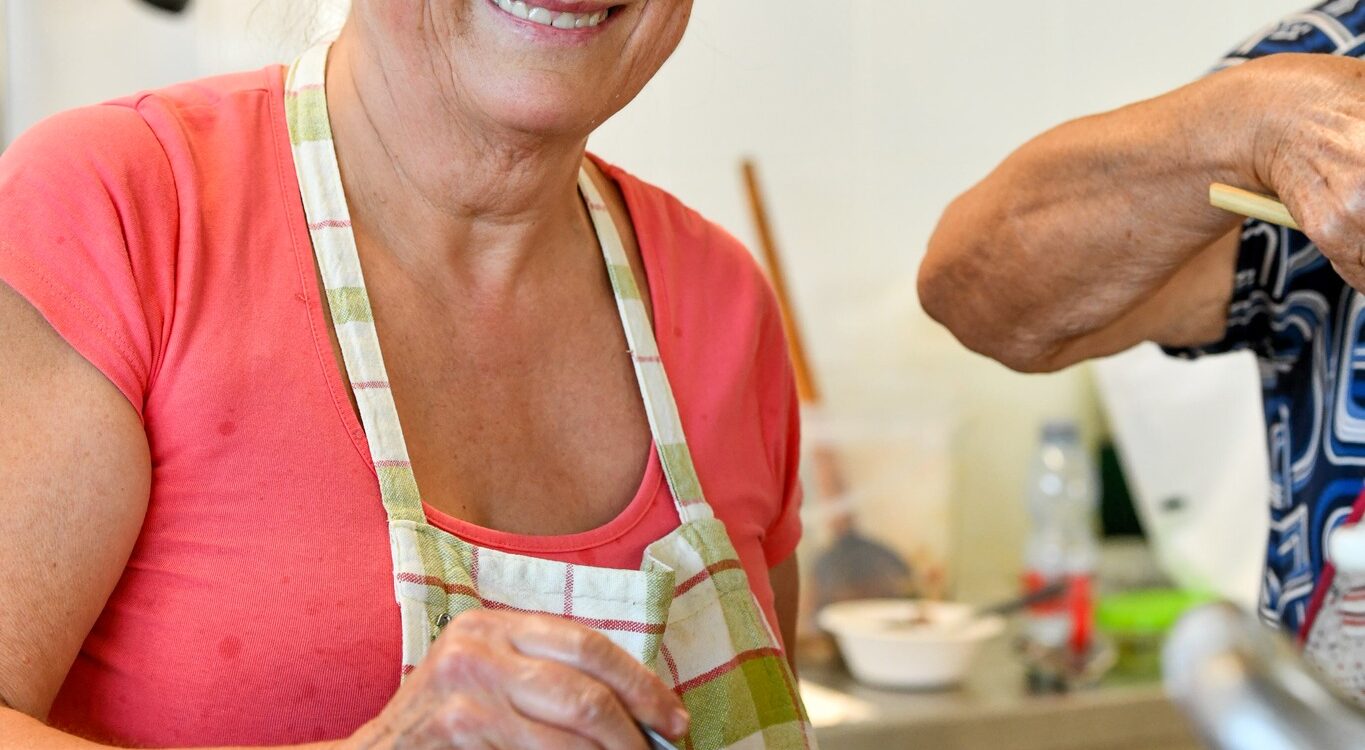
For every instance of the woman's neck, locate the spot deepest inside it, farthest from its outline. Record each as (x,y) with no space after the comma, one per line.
(438,188)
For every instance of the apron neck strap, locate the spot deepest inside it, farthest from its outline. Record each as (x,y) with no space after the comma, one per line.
(657,392)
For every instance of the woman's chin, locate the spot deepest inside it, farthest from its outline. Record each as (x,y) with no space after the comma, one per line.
(552,115)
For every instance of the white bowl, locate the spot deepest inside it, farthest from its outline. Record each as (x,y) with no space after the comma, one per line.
(903,643)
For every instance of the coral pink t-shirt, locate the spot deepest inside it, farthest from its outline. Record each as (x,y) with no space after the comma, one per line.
(163,237)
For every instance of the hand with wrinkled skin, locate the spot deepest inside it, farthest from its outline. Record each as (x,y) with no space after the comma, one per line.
(499,680)
(1312,154)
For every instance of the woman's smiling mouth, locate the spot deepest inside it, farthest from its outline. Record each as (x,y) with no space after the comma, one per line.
(546,17)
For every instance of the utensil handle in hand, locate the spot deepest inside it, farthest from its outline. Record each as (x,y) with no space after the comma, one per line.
(656,740)
(1247,203)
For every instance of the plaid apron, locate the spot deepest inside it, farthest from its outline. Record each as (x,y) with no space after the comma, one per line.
(687,612)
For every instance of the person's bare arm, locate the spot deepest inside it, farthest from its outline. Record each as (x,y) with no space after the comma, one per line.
(1098,234)
(786,582)
(77,474)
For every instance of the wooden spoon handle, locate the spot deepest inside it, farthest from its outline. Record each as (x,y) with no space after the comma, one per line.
(806,386)
(1247,203)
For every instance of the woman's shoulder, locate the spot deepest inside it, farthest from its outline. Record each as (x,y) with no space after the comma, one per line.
(688,247)
(712,293)
(93,207)
(149,131)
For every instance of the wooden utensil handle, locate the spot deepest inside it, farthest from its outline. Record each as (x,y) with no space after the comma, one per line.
(806,386)
(1247,203)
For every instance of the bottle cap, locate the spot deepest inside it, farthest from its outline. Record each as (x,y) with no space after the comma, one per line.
(1061,431)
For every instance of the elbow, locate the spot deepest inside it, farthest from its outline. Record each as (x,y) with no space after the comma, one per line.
(982,317)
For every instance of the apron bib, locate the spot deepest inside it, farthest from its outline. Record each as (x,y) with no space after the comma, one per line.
(1333,633)
(687,612)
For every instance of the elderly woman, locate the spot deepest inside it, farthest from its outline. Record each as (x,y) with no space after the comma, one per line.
(244,320)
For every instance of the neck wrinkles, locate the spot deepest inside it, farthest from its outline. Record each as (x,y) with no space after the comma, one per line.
(436,186)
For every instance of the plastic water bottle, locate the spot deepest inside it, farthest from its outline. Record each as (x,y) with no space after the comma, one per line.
(1062,548)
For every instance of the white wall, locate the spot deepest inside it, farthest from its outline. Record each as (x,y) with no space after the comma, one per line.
(65,53)
(867,117)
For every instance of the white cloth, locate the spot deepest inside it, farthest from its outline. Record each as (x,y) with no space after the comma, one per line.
(1194,432)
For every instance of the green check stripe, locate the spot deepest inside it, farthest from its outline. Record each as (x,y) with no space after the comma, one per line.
(623,282)
(398,489)
(748,699)
(677,459)
(349,304)
(306,113)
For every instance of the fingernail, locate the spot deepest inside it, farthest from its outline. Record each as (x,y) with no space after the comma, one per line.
(680,722)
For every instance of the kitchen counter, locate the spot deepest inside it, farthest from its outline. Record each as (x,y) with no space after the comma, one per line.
(992,710)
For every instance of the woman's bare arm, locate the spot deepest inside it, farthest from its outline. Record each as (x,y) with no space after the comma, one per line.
(77,475)
(1098,235)
(786,582)
(76,468)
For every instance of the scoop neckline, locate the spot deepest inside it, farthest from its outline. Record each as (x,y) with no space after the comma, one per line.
(652,481)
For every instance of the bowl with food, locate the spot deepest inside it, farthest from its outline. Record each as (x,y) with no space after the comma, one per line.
(908,644)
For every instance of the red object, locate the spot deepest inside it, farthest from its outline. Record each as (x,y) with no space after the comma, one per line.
(1077,602)
(1329,573)
(1080,604)
(163,237)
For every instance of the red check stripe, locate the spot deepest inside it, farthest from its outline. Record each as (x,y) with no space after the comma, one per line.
(568,591)
(329,224)
(673,673)
(627,626)
(370,385)
(729,666)
(692,582)
(668,659)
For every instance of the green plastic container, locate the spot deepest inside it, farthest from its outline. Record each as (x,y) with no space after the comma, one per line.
(1137,623)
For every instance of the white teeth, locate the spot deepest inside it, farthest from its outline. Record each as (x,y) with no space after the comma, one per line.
(544,17)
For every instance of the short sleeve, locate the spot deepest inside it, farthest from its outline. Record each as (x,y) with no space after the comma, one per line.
(782,426)
(88,223)
(1282,288)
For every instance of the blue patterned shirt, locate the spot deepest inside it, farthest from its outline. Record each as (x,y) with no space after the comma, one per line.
(1307,329)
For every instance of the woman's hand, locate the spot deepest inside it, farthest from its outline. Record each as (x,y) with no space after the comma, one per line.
(1310,150)
(505,680)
